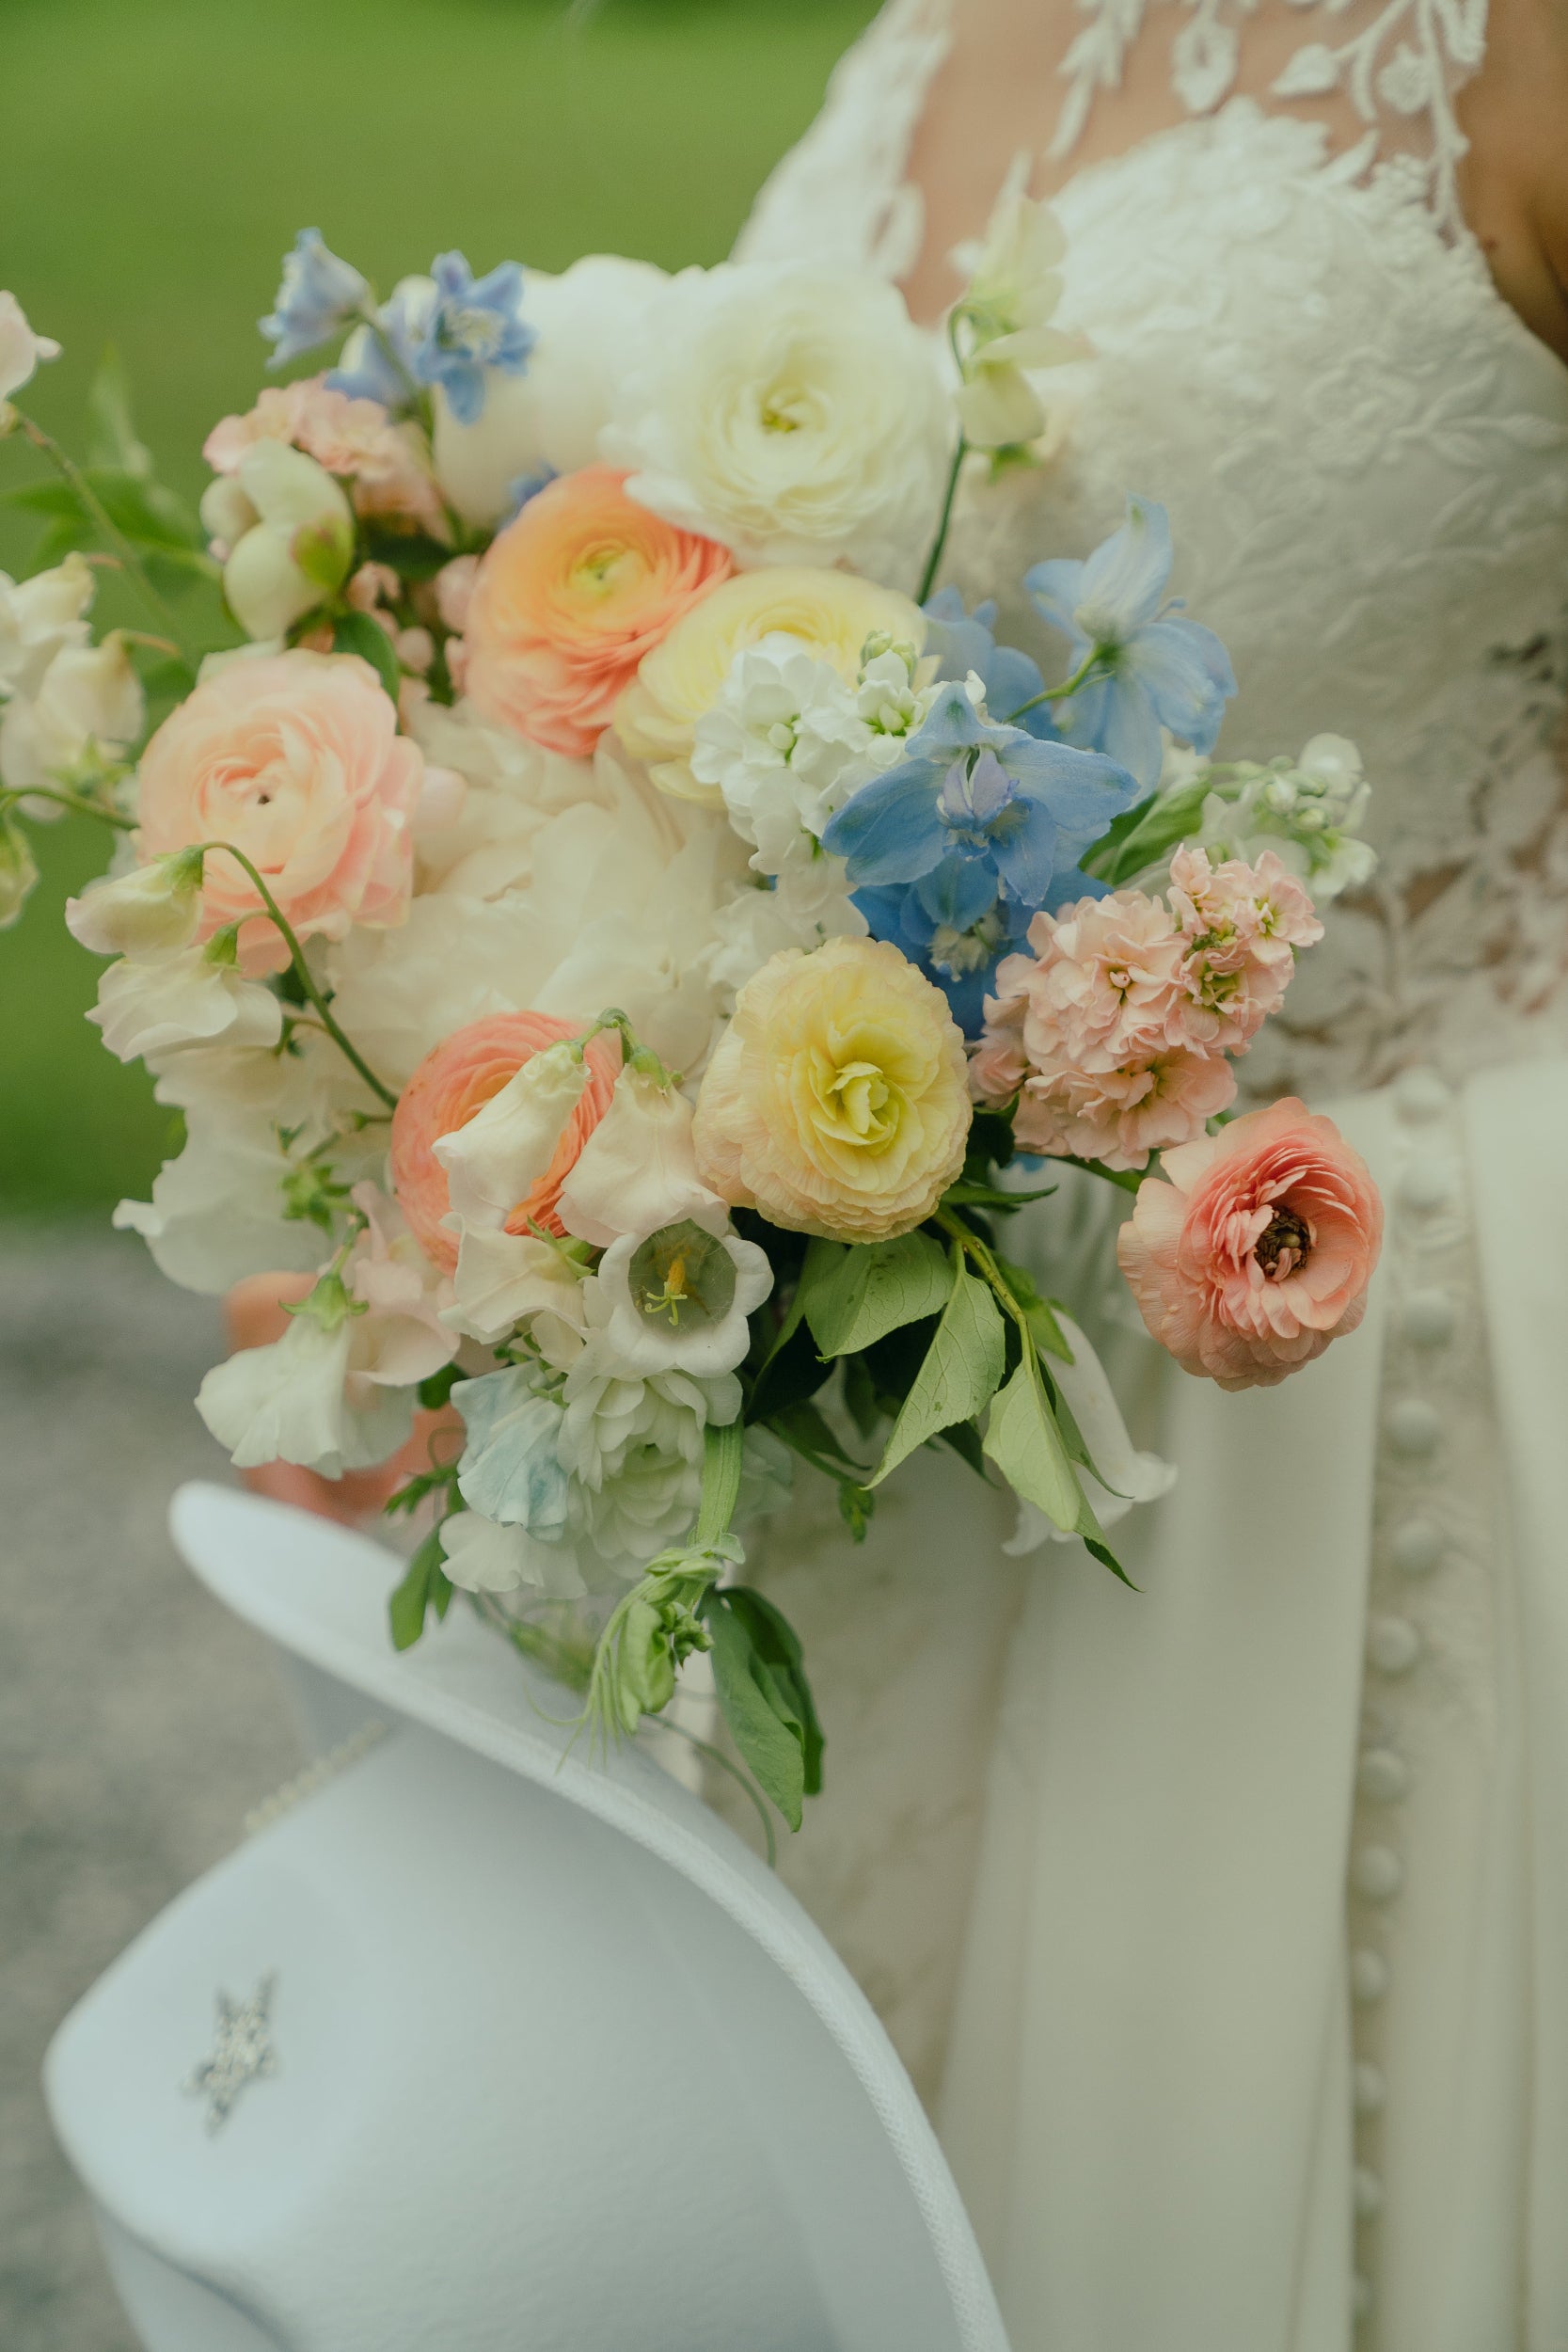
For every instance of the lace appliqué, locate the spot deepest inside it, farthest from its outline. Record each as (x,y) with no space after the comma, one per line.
(1409,59)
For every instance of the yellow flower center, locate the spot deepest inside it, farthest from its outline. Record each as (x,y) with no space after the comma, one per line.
(785,408)
(856,1095)
(602,571)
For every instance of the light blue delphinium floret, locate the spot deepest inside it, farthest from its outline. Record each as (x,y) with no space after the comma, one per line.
(1163,671)
(380,366)
(961,642)
(474,324)
(319,296)
(951,853)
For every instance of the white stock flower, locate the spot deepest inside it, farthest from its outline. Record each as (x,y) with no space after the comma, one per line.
(88,710)
(679,1298)
(594,323)
(39,618)
(807,905)
(483,1557)
(151,1005)
(21,347)
(300,541)
(638,1170)
(303,1399)
(142,911)
(501,1153)
(1310,812)
(794,414)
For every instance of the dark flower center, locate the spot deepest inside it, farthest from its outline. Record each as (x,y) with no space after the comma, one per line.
(1284,1243)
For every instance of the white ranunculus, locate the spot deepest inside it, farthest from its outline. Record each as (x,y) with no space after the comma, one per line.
(794,414)
(88,707)
(298,549)
(21,347)
(594,323)
(298,1401)
(139,913)
(501,1153)
(154,1003)
(483,1557)
(504,1278)
(679,1298)
(39,618)
(638,1170)
(1130,1476)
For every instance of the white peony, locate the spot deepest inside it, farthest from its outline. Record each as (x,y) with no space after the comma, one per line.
(795,414)
(593,324)
(154,1003)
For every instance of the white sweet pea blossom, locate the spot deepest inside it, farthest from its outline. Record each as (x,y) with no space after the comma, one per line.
(510,1140)
(1003,321)
(39,618)
(679,1298)
(21,347)
(506,1278)
(1130,1476)
(638,1170)
(148,1005)
(298,542)
(402,1337)
(87,711)
(483,1557)
(304,1399)
(141,912)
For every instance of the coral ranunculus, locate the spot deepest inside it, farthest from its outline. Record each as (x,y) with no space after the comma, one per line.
(296,759)
(1258,1251)
(457,1080)
(567,601)
(836,1101)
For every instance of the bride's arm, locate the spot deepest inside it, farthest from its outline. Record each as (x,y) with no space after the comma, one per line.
(1513,182)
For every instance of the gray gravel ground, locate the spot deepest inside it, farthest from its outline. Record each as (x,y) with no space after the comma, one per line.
(137,1721)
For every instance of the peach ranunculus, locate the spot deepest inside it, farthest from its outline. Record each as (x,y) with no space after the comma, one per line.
(296,759)
(453,1083)
(835,1102)
(569,598)
(1259,1249)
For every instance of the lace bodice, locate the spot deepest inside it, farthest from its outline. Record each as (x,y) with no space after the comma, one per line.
(1297,346)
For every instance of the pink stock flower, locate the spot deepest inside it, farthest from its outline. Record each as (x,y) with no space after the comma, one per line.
(457,1080)
(347,436)
(295,759)
(1259,1249)
(1240,925)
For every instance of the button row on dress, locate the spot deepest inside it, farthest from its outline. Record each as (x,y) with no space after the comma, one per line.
(1415,1428)
(1378,1873)
(1393,1645)
(1420,1096)
(1382,1775)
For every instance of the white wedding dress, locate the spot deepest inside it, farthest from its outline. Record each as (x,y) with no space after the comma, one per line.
(1225,1925)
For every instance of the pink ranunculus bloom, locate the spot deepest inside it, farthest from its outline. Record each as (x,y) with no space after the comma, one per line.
(569,598)
(456,1080)
(1241,925)
(295,759)
(1259,1249)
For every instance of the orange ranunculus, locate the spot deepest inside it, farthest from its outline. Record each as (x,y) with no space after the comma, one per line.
(457,1080)
(568,600)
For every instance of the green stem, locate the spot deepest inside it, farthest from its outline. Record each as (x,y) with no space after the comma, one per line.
(306,977)
(72,473)
(1059,693)
(73,800)
(973,1247)
(928,578)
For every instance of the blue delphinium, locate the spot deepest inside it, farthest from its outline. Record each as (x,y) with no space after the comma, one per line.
(1159,669)
(962,641)
(319,296)
(473,323)
(951,853)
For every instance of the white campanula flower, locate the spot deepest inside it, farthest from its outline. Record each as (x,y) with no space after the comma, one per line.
(493,1161)
(40,617)
(151,1005)
(21,347)
(794,414)
(319,296)
(474,328)
(679,1297)
(86,712)
(638,1170)
(503,1279)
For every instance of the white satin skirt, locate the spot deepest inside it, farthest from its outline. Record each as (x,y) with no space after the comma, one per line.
(1224,1924)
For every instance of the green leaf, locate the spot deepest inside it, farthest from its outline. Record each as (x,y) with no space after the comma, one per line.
(1046,1332)
(355,633)
(856,1505)
(1024,1443)
(972,1193)
(149,515)
(776,1643)
(410,553)
(761,1706)
(434,1391)
(57,498)
(111,436)
(1141,837)
(875,1288)
(859,1394)
(425,1586)
(961,1369)
(414,1490)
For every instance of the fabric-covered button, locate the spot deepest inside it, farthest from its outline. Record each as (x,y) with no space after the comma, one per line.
(1414,1428)
(1369,1976)
(1415,1547)
(1367,2087)
(1393,1645)
(1368,2191)
(1419,1095)
(1425,1186)
(1429,1317)
(1378,1873)
(1381,1775)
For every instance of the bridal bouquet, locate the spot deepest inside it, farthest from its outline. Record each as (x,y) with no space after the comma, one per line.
(625,946)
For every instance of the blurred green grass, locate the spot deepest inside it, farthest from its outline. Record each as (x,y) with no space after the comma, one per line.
(155,161)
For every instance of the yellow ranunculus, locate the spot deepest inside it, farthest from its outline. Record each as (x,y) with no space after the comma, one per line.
(833,613)
(836,1101)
